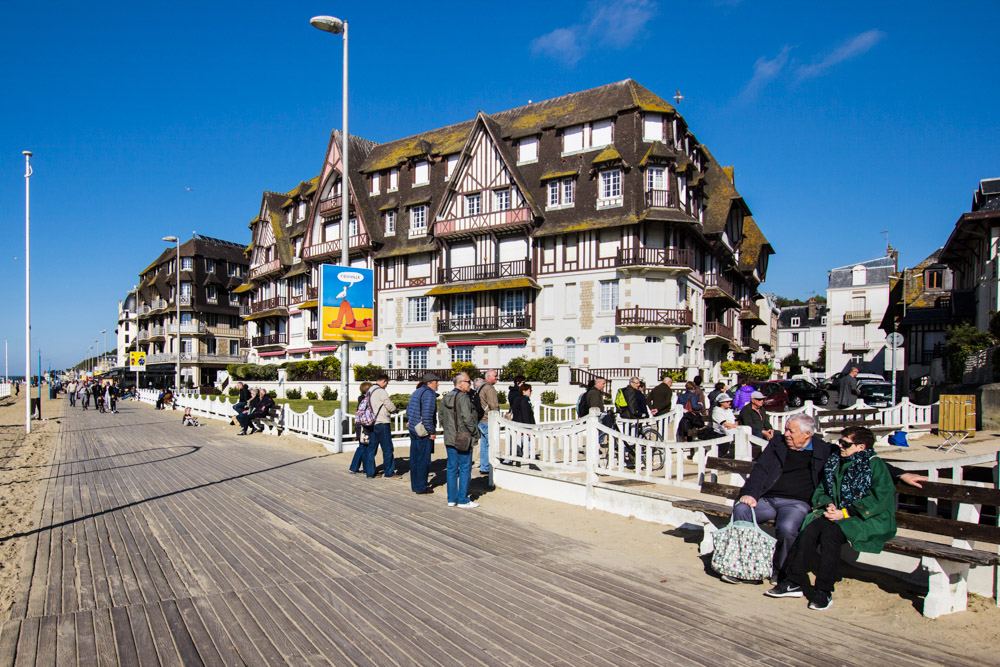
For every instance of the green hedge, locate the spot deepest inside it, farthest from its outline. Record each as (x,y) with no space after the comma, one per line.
(751,370)
(327,368)
(540,369)
(262,372)
(367,372)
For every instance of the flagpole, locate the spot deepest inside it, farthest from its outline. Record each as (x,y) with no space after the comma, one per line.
(27,290)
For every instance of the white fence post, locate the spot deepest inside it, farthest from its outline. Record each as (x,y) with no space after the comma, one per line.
(493,438)
(338,426)
(593,456)
(741,444)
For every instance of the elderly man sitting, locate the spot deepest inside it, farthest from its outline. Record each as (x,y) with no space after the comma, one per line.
(781,483)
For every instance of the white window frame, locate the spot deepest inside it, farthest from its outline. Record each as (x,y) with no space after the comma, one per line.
(560,193)
(656,178)
(450,165)
(393,180)
(418,212)
(301,211)
(570,350)
(187,263)
(796,322)
(462,353)
(417,309)
(211,293)
(463,306)
(418,167)
(609,295)
(416,357)
(209,265)
(527,150)
(473,203)
(501,199)
(376,184)
(609,193)
(234,299)
(609,123)
(389,222)
(548,349)
(652,127)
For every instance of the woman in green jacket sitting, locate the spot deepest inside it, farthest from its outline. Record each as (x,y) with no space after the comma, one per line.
(855,504)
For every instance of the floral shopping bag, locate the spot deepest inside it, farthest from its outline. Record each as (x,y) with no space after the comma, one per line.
(743,550)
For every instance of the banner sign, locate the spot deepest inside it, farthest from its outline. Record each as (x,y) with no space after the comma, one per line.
(137,361)
(346,303)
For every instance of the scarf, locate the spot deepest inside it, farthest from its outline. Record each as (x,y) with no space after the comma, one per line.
(857,480)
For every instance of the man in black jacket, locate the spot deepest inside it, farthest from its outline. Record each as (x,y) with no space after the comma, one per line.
(754,416)
(243,399)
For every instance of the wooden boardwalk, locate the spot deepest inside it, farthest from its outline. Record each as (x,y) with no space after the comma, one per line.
(161,544)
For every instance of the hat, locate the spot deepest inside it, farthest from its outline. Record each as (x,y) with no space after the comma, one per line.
(429,377)
(723,398)
(757,395)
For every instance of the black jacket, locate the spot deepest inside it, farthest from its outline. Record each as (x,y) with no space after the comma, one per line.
(521,410)
(757,421)
(636,406)
(264,405)
(768,466)
(244,394)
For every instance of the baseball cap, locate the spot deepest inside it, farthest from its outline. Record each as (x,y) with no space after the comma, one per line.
(723,398)
(757,395)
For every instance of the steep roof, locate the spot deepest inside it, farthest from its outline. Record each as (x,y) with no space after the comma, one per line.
(754,243)
(878,272)
(802,312)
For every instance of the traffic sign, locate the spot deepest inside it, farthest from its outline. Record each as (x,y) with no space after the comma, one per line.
(894,340)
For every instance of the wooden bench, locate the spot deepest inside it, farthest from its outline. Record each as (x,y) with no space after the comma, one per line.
(947,565)
(271,422)
(837,420)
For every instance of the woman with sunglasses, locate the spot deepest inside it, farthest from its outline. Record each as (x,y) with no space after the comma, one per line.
(855,504)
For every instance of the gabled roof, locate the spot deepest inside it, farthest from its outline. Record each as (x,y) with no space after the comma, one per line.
(754,244)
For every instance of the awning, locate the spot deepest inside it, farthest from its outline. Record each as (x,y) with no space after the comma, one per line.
(264,314)
(245,287)
(325,348)
(298,350)
(483,286)
(311,303)
(279,353)
(491,341)
(406,345)
(549,175)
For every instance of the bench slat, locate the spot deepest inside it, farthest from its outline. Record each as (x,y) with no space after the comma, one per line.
(834,413)
(962,530)
(955,492)
(724,490)
(729,465)
(712,509)
(910,546)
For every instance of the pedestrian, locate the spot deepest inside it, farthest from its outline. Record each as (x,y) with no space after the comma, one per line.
(693,420)
(71,392)
(855,503)
(719,388)
(848,393)
(755,416)
(99,397)
(631,401)
(594,397)
(421,418)
(259,409)
(723,418)
(84,396)
(661,399)
(381,436)
(243,397)
(488,402)
(514,393)
(458,420)
(361,459)
(743,392)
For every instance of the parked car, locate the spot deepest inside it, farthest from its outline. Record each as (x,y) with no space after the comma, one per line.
(876,394)
(834,381)
(800,391)
(775,396)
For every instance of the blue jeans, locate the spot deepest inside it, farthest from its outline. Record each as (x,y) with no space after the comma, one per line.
(787,514)
(364,457)
(420,461)
(484,448)
(459,472)
(382,437)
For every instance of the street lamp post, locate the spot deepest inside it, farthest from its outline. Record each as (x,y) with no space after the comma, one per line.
(104,355)
(336,26)
(27,290)
(177,300)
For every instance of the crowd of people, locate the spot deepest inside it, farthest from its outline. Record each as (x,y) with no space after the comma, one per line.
(104,394)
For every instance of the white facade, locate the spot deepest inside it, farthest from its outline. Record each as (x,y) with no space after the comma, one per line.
(857,298)
(127,330)
(802,332)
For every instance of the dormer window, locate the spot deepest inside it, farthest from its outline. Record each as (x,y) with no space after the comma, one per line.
(421,173)
(859,275)
(389,223)
(933,279)
(376,185)
(796,321)
(527,150)
(302,211)
(652,127)
(288,216)
(418,220)
(393,180)
(450,168)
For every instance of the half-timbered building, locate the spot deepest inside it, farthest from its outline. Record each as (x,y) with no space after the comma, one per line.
(593,227)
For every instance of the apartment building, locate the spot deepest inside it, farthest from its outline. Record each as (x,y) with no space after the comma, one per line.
(802,331)
(593,227)
(857,296)
(209,332)
(126,334)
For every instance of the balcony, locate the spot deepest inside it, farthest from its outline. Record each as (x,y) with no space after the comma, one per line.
(143,335)
(265,269)
(482,323)
(270,339)
(156,333)
(330,207)
(415,374)
(750,313)
(718,330)
(659,318)
(193,358)
(330,248)
(663,259)
(749,344)
(718,286)
(186,299)
(662,199)
(457,274)
(857,316)
(857,346)
(157,304)
(267,304)
(189,328)
(484,222)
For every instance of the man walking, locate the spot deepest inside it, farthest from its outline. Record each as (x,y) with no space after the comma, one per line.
(71,392)
(421,417)
(460,425)
(489,402)
(384,408)
(848,389)
(661,399)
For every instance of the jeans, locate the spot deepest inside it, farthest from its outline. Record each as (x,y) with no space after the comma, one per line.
(787,514)
(484,448)
(72,399)
(826,537)
(382,437)
(364,458)
(420,461)
(239,407)
(459,472)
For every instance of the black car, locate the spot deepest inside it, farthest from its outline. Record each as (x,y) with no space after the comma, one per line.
(876,394)
(800,391)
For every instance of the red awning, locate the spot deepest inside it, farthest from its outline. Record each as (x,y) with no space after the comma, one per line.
(298,350)
(405,345)
(279,353)
(325,348)
(493,341)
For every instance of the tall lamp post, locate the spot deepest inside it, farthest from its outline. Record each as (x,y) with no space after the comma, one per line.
(104,357)
(177,300)
(27,290)
(337,26)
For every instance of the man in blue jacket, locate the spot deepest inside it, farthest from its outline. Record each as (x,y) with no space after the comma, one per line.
(421,417)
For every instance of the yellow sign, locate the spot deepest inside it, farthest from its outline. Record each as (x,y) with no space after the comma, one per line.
(137,361)
(346,303)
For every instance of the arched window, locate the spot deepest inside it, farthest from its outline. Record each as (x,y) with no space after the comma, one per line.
(608,339)
(653,339)
(859,275)
(571,350)
(388,356)
(547,347)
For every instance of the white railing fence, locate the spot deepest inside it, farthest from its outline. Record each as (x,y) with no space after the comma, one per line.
(5,390)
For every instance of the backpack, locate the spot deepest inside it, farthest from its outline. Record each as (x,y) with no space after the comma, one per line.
(365,415)
(477,405)
(581,406)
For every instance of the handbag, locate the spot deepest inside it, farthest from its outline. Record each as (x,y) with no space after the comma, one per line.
(743,550)
(463,439)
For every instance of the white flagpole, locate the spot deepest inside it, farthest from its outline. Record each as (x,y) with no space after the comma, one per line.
(27,290)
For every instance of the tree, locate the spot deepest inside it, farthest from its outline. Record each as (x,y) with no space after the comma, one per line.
(962,341)
(783,301)
(792,363)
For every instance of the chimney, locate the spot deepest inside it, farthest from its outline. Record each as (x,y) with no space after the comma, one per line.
(811,303)
(731,173)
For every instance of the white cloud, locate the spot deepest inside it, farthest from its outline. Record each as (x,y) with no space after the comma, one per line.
(764,71)
(614,27)
(852,48)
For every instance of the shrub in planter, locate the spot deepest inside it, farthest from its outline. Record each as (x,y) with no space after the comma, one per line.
(272,394)
(367,372)
(548,398)
(400,400)
(502,396)
(233,391)
(753,371)
(293,394)
(329,394)
(464,367)
(541,369)
(312,395)
(209,390)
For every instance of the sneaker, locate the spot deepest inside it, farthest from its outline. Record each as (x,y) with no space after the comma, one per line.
(784,589)
(821,601)
(469,505)
(452,504)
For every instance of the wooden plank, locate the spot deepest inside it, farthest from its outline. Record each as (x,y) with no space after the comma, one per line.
(142,636)
(208,646)
(956,492)
(86,642)
(728,491)
(235,615)
(47,637)
(958,529)
(914,547)
(9,634)
(104,635)
(66,652)
(729,465)
(182,638)
(712,509)
(27,642)
(163,641)
(128,653)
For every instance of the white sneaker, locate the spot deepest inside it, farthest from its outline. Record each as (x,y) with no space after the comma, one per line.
(469,505)
(452,504)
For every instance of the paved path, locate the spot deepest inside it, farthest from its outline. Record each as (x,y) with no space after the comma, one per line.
(169,545)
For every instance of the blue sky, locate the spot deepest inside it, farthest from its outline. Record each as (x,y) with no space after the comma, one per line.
(842,119)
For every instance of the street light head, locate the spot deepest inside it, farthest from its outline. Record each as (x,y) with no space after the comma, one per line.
(26,153)
(327,24)
(170,239)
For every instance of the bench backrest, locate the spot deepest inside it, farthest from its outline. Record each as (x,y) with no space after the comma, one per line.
(956,493)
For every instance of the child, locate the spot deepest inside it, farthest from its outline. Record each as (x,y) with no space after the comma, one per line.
(855,503)
(189,419)
(359,454)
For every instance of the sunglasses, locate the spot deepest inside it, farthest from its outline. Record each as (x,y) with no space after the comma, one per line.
(845,444)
